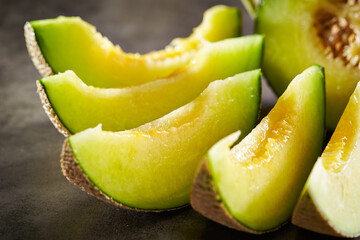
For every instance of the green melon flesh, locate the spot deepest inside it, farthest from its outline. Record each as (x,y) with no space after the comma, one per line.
(69,43)
(219,22)
(152,166)
(291,37)
(333,184)
(260,179)
(79,106)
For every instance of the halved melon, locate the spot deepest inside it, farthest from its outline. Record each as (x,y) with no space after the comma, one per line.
(69,43)
(152,166)
(325,32)
(259,180)
(330,201)
(73,106)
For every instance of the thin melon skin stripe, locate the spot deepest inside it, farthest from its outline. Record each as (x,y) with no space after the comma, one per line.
(50,111)
(73,172)
(206,201)
(35,53)
(306,215)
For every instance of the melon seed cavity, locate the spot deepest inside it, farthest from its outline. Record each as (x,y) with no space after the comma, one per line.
(337,33)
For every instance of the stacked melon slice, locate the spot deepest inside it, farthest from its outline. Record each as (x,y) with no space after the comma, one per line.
(143,122)
(152,166)
(139,126)
(69,43)
(79,106)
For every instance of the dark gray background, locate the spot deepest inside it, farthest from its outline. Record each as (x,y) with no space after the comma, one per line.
(36,201)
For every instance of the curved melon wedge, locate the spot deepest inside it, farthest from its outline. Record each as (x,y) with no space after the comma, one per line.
(330,201)
(72,106)
(260,179)
(69,43)
(152,166)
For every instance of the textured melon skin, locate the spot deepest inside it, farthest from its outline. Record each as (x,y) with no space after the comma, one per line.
(331,194)
(152,166)
(205,200)
(261,191)
(69,43)
(80,107)
(292,45)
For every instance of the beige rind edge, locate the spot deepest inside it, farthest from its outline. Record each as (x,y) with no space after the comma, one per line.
(205,200)
(72,171)
(35,52)
(306,215)
(50,111)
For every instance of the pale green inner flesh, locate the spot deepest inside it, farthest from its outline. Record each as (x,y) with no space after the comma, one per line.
(69,43)
(334,182)
(152,167)
(292,38)
(79,106)
(260,179)
(220,22)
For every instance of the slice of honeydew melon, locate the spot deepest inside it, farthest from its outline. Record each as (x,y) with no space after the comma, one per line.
(330,201)
(73,106)
(69,43)
(259,180)
(152,166)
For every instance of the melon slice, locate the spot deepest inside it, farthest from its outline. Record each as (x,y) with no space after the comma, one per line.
(73,106)
(259,180)
(69,43)
(152,166)
(330,201)
(325,32)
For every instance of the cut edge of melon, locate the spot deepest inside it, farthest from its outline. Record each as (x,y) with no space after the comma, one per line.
(307,215)
(205,200)
(74,174)
(35,53)
(50,111)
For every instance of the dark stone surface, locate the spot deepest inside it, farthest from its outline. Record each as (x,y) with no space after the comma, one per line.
(36,201)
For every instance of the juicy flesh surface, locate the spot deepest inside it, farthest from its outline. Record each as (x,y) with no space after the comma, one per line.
(292,35)
(220,22)
(69,43)
(334,181)
(79,106)
(152,167)
(260,179)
